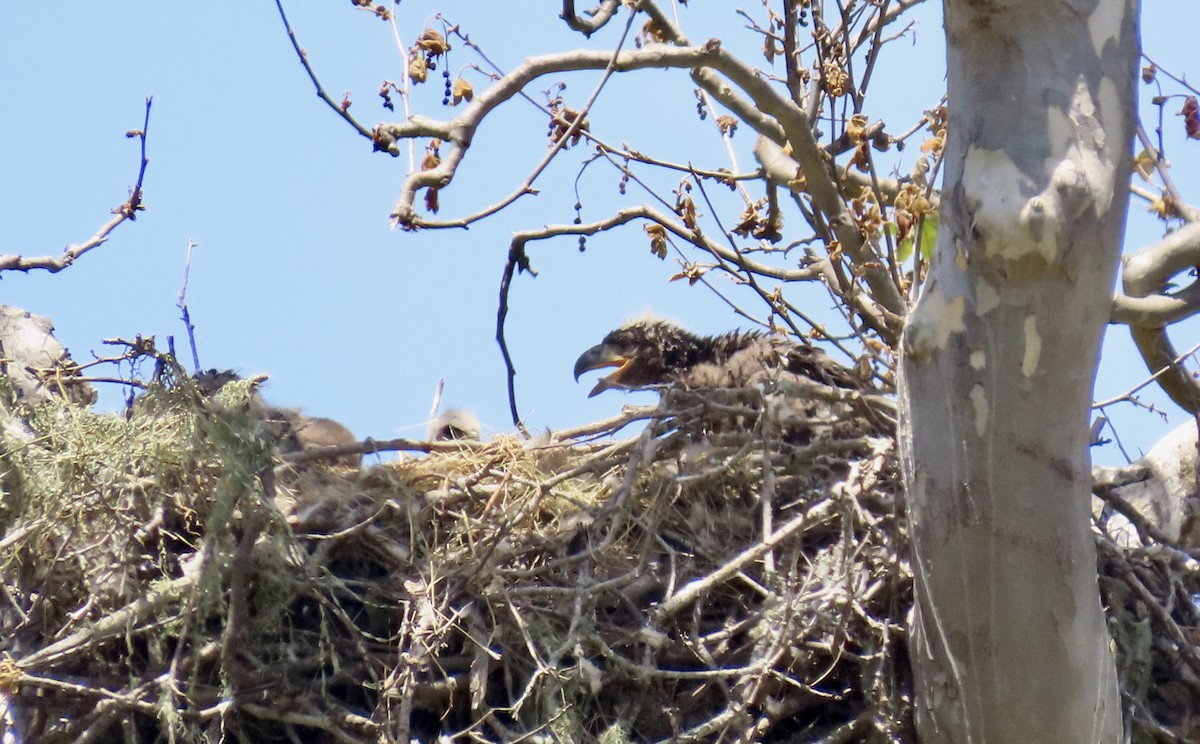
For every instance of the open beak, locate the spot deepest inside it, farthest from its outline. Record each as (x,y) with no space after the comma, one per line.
(598,357)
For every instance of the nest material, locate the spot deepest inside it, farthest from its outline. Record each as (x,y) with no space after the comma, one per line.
(716,577)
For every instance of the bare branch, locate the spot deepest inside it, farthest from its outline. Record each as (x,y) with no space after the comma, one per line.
(1147,309)
(1148,270)
(1157,310)
(183,308)
(600,15)
(870,29)
(701,241)
(342,111)
(1128,394)
(127,211)
(1159,353)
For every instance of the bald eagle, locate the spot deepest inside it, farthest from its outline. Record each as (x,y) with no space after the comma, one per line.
(657,352)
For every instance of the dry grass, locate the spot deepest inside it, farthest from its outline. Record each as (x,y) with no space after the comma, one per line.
(170,578)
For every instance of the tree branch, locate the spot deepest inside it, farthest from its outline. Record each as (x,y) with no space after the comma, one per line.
(1148,309)
(127,211)
(1148,270)
(303,55)
(600,15)
(460,131)
(1159,354)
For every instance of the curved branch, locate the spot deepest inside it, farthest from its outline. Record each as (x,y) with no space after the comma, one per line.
(460,131)
(1156,310)
(126,211)
(600,16)
(342,112)
(876,24)
(1149,269)
(643,211)
(1147,309)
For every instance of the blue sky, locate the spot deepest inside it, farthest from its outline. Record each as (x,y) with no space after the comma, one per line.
(297,274)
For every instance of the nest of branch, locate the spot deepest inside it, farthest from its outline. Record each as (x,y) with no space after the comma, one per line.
(726,574)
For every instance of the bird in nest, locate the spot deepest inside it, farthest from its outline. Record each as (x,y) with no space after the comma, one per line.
(650,352)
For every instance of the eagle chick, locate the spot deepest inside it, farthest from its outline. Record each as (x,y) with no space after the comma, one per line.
(656,352)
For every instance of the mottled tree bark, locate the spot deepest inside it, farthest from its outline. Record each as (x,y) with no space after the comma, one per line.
(1008,637)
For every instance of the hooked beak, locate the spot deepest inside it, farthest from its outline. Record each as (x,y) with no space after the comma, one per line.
(598,357)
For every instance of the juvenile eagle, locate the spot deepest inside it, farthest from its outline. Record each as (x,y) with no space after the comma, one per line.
(656,352)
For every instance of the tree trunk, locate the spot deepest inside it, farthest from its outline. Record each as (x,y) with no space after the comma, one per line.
(1008,638)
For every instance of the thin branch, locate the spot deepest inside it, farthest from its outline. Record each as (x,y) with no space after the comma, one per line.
(460,130)
(701,241)
(303,55)
(1160,356)
(183,308)
(127,211)
(517,261)
(1128,394)
(371,446)
(1190,213)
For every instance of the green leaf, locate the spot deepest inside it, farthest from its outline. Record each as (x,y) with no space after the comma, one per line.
(928,234)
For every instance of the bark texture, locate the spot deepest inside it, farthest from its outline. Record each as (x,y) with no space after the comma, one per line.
(1008,638)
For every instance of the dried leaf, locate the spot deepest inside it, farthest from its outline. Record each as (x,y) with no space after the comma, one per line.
(418,70)
(856,129)
(462,91)
(686,209)
(1191,117)
(658,239)
(433,43)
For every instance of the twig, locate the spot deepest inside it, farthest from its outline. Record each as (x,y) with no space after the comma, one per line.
(460,130)
(183,308)
(371,446)
(1128,394)
(345,114)
(127,211)
(693,590)
(437,398)
(517,261)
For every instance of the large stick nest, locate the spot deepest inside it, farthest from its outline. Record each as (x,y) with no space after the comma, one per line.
(168,576)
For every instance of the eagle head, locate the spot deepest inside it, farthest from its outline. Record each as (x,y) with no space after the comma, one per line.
(645,352)
(655,352)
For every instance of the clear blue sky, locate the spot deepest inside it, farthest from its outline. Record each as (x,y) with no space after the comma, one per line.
(297,274)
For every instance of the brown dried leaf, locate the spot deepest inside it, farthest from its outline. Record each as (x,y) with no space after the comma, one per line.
(433,43)
(856,129)
(658,239)
(418,70)
(1191,117)
(462,91)
(686,209)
